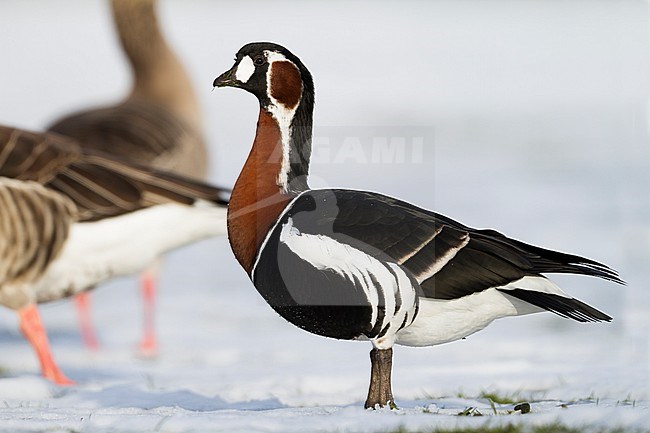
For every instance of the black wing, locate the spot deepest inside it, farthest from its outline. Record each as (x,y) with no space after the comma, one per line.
(448,259)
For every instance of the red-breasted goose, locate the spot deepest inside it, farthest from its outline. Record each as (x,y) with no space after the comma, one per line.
(360,265)
(73,218)
(159,124)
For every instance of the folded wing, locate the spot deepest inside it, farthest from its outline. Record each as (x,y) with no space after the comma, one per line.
(448,259)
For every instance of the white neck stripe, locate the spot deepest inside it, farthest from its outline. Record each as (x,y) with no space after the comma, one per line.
(284,117)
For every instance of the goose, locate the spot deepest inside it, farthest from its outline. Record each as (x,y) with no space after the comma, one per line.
(351,264)
(158,124)
(71,218)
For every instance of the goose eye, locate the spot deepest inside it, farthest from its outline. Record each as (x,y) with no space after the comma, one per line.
(259,61)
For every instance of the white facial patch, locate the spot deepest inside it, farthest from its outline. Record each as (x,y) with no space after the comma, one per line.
(245,69)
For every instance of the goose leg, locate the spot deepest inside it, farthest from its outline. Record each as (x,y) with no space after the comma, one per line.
(148,345)
(32,327)
(88,335)
(380,392)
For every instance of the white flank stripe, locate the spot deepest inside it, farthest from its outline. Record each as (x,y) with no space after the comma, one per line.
(406,292)
(245,69)
(390,295)
(419,247)
(536,284)
(442,261)
(323,253)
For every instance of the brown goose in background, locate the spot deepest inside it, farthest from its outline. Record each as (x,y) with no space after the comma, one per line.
(159,124)
(71,218)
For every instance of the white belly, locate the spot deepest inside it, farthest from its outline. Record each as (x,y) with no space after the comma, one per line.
(97,251)
(443,321)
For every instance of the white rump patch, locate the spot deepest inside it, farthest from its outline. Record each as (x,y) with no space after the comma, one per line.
(245,69)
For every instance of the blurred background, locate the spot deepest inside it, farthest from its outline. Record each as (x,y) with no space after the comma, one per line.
(527,117)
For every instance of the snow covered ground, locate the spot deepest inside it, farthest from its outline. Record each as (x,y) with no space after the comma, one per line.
(527,117)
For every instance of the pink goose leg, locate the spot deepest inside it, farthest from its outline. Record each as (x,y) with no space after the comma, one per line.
(148,345)
(32,327)
(88,335)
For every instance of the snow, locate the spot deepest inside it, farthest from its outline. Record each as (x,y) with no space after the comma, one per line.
(530,118)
